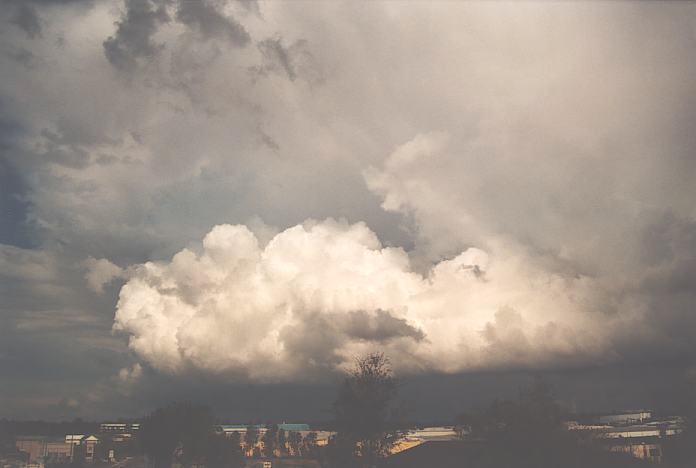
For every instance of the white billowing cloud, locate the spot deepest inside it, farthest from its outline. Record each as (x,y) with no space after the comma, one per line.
(101,272)
(323,292)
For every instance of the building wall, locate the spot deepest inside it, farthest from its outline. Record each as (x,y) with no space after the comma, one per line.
(631,433)
(59,451)
(35,448)
(40,448)
(119,427)
(644,451)
(74,438)
(90,445)
(625,418)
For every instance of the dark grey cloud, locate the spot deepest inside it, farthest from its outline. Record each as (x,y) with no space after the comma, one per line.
(313,341)
(27,18)
(380,326)
(133,38)
(57,152)
(292,61)
(13,206)
(277,56)
(53,345)
(205,17)
(22,56)
(316,339)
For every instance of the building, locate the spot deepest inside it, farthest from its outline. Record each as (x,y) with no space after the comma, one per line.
(13,460)
(283,463)
(229,429)
(119,432)
(119,428)
(59,451)
(436,454)
(89,443)
(625,417)
(628,432)
(633,432)
(419,436)
(40,449)
(74,439)
(33,446)
(646,448)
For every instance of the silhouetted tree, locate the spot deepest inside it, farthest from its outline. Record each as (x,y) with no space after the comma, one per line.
(294,441)
(7,440)
(528,432)
(310,444)
(235,439)
(104,447)
(362,412)
(181,426)
(282,441)
(251,439)
(535,410)
(224,452)
(678,451)
(270,440)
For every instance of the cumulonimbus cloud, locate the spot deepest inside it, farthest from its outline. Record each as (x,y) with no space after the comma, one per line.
(320,293)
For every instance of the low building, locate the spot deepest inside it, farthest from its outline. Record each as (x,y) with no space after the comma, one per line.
(33,446)
(119,428)
(283,463)
(628,432)
(658,429)
(646,448)
(323,437)
(625,417)
(436,454)
(635,433)
(40,449)
(241,429)
(59,451)
(74,439)
(89,444)
(13,460)
(418,436)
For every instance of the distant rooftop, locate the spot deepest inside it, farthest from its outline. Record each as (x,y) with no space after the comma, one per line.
(261,427)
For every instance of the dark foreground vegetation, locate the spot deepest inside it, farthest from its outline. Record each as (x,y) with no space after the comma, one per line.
(525,432)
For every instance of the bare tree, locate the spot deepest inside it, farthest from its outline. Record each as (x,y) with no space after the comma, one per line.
(362,412)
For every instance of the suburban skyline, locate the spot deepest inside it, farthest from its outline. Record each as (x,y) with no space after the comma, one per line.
(230,201)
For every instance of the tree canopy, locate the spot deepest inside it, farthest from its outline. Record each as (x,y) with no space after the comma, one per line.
(180,429)
(362,411)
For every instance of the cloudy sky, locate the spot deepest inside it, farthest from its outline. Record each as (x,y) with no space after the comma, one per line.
(229,201)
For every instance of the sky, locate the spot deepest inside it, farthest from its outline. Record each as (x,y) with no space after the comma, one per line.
(229,201)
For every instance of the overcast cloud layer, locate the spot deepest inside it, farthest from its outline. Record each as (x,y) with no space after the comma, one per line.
(256,192)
